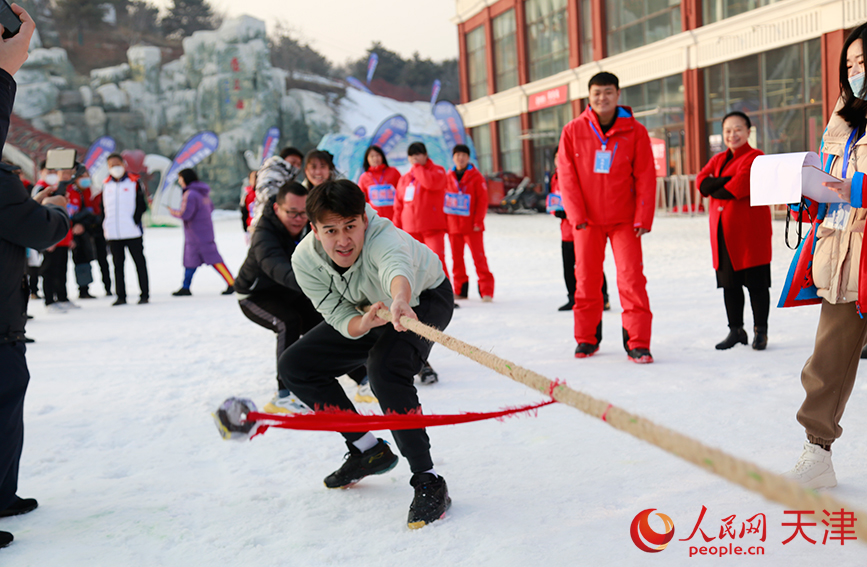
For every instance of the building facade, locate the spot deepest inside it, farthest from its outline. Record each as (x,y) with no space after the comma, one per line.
(682,65)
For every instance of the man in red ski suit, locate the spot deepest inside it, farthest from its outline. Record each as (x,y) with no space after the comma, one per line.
(466,205)
(608,185)
(418,202)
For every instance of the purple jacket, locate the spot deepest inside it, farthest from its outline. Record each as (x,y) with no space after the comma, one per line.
(199,245)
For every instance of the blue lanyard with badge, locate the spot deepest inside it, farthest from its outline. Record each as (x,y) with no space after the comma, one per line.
(457,203)
(604,158)
(381,194)
(838,214)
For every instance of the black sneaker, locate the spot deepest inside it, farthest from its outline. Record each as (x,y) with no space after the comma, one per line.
(229,290)
(566,306)
(119,301)
(428,375)
(84,293)
(585,350)
(28,340)
(5,539)
(377,460)
(19,506)
(639,356)
(143,301)
(182,291)
(431,500)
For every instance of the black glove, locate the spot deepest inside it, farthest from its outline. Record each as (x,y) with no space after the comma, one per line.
(560,214)
(723,194)
(711,184)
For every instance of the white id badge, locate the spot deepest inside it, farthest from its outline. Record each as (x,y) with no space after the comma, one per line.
(837,217)
(602,163)
(409,195)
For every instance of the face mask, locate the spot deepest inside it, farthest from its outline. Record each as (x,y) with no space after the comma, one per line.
(52,179)
(116,171)
(857,84)
(84,183)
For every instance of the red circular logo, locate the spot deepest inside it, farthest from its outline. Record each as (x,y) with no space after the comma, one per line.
(641,532)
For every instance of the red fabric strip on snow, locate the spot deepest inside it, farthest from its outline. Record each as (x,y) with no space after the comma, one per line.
(348,421)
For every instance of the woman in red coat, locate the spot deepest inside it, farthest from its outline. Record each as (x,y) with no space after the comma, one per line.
(378,182)
(740,235)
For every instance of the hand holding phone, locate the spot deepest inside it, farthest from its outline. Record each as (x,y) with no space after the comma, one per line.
(14,48)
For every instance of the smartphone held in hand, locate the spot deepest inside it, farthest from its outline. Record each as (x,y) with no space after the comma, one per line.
(10,22)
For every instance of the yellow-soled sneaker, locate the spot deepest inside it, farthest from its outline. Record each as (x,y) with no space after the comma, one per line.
(431,500)
(285,404)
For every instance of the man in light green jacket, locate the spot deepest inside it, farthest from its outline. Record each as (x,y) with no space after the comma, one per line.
(355,264)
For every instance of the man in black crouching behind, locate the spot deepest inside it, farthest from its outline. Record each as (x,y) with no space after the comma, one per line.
(357,264)
(268,293)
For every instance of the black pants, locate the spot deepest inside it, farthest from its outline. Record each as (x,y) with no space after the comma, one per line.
(14,378)
(760,301)
(101,248)
(286,312)
(568,252)
(136,250)
(55,265)
(33,273)
(309,368)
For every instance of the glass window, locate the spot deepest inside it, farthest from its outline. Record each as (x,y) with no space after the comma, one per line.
(781,91)
(547,37)
(511,156)
(484,149)
(547,125)
(505,51)
(659,106)
(476,63)
(716,10)
(586,31)
(635,23)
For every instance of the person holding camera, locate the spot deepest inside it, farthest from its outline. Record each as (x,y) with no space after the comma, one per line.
(124,204)
(25,222)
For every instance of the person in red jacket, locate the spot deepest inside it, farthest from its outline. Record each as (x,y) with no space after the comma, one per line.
(378,182)
(567,244)
(608,185)
(248,199)
(419,199)
(465,207)
(740,235)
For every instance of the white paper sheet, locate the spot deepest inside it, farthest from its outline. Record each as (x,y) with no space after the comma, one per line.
(782,179)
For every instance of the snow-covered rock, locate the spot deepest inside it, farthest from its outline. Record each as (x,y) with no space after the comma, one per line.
(112,97)
(35,99)
(108,75)
(144,64)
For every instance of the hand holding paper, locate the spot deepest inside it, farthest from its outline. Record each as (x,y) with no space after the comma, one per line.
(783,179)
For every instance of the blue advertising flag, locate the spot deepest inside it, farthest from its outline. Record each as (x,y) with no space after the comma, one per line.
(450,123)
(269,144)
(392,130)
(194,151)
(98,153)
(353,82)
(435,92)
(371,66)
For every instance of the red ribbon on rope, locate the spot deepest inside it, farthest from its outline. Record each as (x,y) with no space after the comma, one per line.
(348,421)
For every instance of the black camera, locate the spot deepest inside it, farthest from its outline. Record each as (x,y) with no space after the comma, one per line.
(11,23)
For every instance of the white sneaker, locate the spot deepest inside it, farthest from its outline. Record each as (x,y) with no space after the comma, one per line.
(286,404)
(814,469)
(364,394)
(69,305)
(55,308)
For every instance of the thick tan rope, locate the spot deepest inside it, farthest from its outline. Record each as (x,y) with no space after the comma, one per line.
(744,473)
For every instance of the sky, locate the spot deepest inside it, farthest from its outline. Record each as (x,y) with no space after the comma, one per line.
(344,29)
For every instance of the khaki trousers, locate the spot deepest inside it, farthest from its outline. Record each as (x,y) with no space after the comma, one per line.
(829,374)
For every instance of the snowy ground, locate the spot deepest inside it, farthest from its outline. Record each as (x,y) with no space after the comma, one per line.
(129,469)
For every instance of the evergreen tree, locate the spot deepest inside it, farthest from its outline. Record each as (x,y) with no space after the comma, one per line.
(143,17)
(290,54)
(79,16)
(187,16)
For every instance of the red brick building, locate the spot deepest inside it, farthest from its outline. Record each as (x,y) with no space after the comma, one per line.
(682,65)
